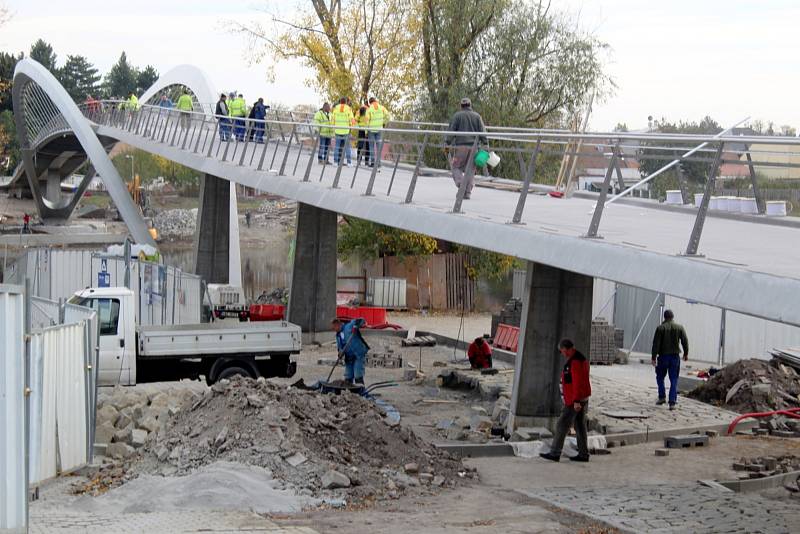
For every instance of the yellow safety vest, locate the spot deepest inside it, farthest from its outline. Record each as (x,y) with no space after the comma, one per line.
(237,107)
(321,118)
(342,119)
(185,103)
(378,116)
(133,103)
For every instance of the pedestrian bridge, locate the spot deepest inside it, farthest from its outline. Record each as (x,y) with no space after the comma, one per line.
(745,263)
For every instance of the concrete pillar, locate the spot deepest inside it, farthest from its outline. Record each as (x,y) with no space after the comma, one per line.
(556,304)
(53,185)
(212,236)
(312,296)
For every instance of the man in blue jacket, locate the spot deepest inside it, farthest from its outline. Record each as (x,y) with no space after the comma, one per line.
(352,347)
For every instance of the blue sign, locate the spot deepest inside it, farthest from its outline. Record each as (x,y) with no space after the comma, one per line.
(103,280)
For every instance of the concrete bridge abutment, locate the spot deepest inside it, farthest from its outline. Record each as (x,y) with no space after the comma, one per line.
(557,304)
(212,240)
(312,296)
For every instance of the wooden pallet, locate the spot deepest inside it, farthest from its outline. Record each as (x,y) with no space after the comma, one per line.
(421,341)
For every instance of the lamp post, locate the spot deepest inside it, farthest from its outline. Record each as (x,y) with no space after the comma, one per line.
(130,157)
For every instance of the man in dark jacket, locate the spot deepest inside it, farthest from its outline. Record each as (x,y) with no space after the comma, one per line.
(222,115)
(465,120)
(666,356)
(576,390)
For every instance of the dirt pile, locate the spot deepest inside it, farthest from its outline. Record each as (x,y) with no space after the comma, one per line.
(752,386)
(317,445)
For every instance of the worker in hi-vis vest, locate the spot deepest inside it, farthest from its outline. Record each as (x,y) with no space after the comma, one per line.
(185,108)
(378,118)
(341,120)
(237,108)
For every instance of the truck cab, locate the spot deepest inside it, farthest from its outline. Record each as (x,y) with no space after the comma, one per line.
(116,315)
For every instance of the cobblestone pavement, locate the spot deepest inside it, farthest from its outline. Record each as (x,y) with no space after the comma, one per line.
(61,521)
(674,508)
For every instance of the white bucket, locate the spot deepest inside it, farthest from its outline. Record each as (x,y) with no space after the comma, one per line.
(674,197)
(493,160)
(698,199)
(734,203)
(748,205)
(776,208)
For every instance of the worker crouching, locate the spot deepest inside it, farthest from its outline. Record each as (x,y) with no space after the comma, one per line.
(479,354)
(352,347)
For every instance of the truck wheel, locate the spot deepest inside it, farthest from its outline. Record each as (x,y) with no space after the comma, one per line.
(229,372)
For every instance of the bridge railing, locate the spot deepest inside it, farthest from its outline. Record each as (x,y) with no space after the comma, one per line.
(280,144)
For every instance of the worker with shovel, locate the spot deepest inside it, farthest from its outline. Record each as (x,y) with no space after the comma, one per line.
(352,347)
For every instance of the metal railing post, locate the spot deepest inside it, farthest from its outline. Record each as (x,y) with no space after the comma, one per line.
(247,131)
(264,151)
(413,184)
(341,161)
(314,148)
(469,174)
(374,172)
(760,204)
(286,154)
(601,200)
(526,184)
(697,231)
(394,172)
(681,183)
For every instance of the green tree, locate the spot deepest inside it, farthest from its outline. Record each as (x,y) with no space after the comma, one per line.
(9,145)
(145,78)
(367,240)
(42,52)
(651,159)
(7,64)
(79,77)
(121,80)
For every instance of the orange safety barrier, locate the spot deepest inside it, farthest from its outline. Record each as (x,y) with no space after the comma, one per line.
(267,312)
(506,337)
(372,315)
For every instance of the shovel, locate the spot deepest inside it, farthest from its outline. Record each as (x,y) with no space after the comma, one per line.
(340,356)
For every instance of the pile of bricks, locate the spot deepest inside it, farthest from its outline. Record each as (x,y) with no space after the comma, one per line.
(386,360)
(602,346)
(764,466)
(511,314)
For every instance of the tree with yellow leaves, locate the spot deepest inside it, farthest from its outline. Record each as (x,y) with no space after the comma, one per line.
(355,48)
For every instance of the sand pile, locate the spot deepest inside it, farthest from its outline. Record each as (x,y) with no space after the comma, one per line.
(752,386)
(316,445)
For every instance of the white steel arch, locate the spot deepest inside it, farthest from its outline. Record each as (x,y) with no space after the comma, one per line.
(35,118)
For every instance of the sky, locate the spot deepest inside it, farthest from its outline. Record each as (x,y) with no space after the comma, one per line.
(679,59)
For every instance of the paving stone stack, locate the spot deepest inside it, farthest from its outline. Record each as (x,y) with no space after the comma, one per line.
(765,466)
(511,314)
(619,338)
(602,346)
(387,360)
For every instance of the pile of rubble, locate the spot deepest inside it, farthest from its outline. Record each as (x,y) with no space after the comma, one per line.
(318,445)
(176,224)
(752,386)
(279,295)
(127,418)
(765,466)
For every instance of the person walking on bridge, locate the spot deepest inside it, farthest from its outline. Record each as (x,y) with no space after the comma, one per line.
(322,119)
(377,118)
(576,390)
(237,109)
(342,120)
(185,107)
(259,113)
(221,112)
(667,340)
(461,153)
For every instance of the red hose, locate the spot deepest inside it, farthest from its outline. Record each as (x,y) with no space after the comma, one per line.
(789,412)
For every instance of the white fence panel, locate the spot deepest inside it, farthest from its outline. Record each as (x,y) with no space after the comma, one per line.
(36,464)
(702,324)
(749,337)
(13,493)
(44,312)
(603,296)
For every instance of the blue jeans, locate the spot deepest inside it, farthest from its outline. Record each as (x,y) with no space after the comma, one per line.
(354,368)
(324,146)
(224,129)
(374,147)
(668,364)
(342,141)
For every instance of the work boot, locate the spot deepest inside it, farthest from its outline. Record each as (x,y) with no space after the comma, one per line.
(671,406)
(467,196)
(550,456)
(659,402)
(579,458)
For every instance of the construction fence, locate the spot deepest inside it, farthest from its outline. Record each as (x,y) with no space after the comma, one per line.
(164,294)
(47,395)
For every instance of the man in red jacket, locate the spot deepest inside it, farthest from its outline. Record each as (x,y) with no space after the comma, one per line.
(479,354)
(576,390)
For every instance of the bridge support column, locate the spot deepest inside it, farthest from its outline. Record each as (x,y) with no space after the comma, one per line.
(312,296)
(212,238)
(53,187)
(557,304)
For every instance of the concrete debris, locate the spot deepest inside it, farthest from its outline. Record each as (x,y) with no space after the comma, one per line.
(176,223)
(120,451)
(752,386)
(765,466)
(307,440)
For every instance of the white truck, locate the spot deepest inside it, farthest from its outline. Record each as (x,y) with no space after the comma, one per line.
(130,354)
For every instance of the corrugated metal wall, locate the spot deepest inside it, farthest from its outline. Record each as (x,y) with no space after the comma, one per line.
(603,299)
(702,324)
(13,503)
(631,308)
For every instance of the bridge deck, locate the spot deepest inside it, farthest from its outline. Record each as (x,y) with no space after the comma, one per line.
(748,267)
